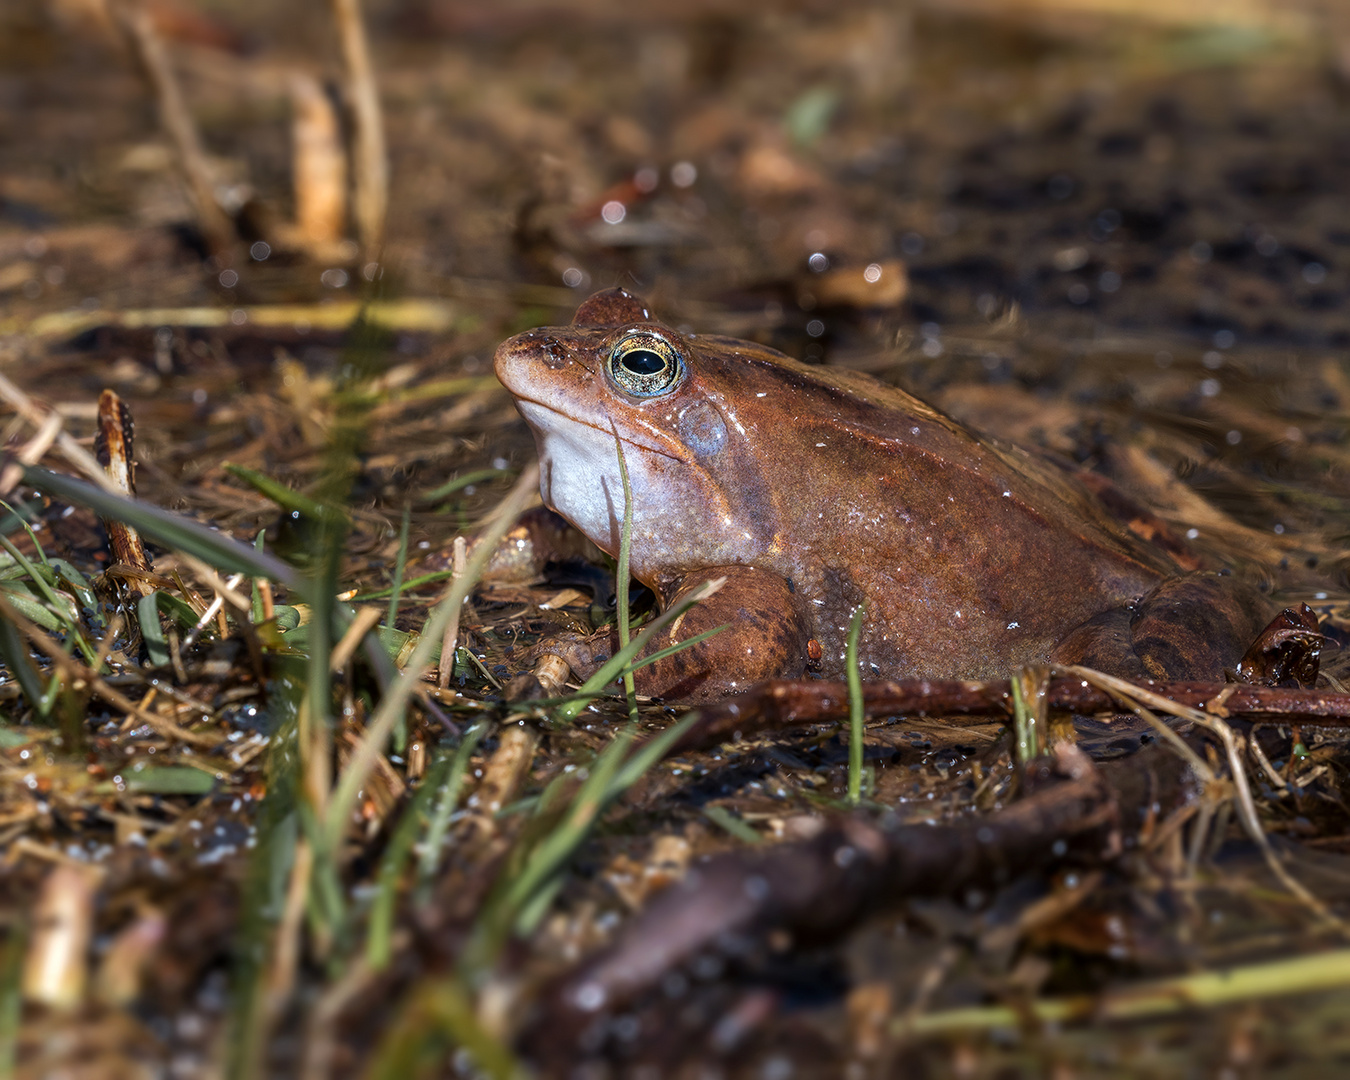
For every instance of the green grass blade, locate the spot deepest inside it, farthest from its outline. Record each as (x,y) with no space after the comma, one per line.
(522,899)
(855,709)
(1026,738)
(590,801)
(679,646)
(478,476)
(11,995)
(380,929)
(437,1015)
(616,663)
(23,521)
(14,651)
(147,616)
(648,754)
(171,530)
(439,824)
(32,609)
(1178,995)
(726,820)
(61,610)
(622,573)
(285,497)
(408,586)
(268,876)
(168,780)
(400,564)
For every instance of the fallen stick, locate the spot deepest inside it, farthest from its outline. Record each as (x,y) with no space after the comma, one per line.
(815,891)
(785,703)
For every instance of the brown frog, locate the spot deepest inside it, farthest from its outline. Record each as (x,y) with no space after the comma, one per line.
(813,490)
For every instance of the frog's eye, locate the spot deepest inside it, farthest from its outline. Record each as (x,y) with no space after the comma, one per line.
(645,365)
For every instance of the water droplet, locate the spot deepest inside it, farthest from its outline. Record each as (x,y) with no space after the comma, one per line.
(646,179)
(683,174)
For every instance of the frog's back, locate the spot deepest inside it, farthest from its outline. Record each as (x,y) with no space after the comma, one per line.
(970,555)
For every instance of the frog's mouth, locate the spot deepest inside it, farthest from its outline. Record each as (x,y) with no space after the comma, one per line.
(545,420)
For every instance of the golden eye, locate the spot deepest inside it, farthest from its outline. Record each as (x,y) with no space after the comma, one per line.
(645,365)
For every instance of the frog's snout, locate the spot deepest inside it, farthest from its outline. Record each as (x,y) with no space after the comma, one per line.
(516,359)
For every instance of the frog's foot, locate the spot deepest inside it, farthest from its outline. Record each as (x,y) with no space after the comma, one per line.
(1196,626)
(761,634)
(1287,652)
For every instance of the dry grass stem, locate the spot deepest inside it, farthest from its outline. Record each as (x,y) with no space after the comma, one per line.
(287,939)
(367,618)
(445,667)
(370,167)
(71,450)
(31,452)
(56,967)
(139,29)
(1242,795)
(319,166)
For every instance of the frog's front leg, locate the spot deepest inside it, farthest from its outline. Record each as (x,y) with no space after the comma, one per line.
(765,636)
(1194,626)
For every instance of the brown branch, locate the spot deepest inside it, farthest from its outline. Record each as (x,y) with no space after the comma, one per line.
(817,890)
(786,703)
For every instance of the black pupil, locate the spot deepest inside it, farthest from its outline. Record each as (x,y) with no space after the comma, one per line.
(643,361)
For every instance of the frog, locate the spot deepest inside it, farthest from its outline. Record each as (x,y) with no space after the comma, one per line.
(810,494)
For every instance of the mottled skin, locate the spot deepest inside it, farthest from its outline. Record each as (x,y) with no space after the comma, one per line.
(813,489)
